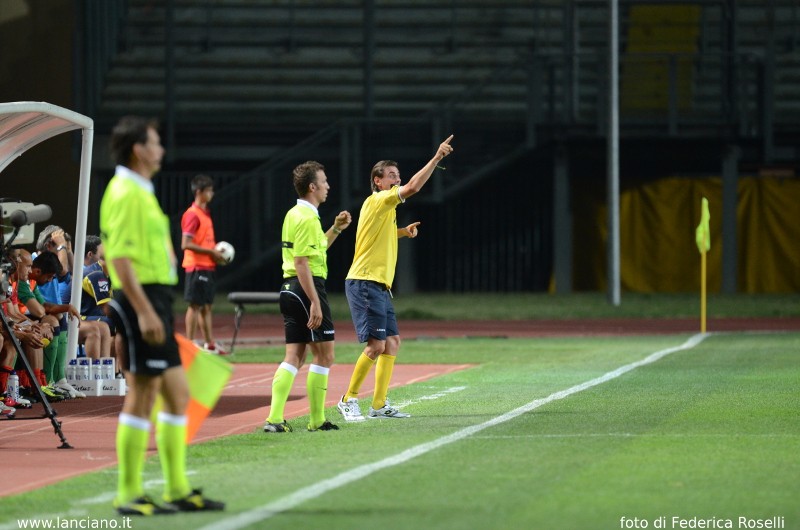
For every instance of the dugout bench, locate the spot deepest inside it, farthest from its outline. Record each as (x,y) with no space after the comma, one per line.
(242,298)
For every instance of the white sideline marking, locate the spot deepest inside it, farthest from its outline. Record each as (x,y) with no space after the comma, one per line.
(437,395)
(641,435)
(312,492)
(109,495)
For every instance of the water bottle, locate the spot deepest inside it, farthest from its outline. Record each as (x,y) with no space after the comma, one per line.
(96,371)
(84,369)
(12,387)
(108,368)
(72,370)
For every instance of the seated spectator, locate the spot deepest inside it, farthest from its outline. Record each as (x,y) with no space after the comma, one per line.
(96,284)
(94,259)
(43,270)
(97,291)
(95,337)
(95,295)
(29,335)
(30,331)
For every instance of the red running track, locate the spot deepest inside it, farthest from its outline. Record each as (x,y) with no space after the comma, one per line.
(29,447)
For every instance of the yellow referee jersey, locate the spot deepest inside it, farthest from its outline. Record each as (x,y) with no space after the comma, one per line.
(133,226)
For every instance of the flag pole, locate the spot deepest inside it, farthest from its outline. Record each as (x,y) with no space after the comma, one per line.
(702,237)
(703,292)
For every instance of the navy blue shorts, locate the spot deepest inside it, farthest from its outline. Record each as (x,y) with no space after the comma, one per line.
(102,318)
(295,307)
(372,310)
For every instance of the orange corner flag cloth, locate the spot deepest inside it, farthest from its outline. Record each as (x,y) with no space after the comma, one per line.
(207,375)
(702,235)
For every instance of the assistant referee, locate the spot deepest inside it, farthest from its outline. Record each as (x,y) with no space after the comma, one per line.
(303,300)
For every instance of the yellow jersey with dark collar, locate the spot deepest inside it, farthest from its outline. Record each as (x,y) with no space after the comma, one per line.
(302,235)
(133,226)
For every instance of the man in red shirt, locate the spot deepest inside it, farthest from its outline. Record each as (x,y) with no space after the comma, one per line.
(200,260)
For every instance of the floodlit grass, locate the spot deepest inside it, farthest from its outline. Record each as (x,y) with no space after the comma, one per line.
(525,306)
(708,432)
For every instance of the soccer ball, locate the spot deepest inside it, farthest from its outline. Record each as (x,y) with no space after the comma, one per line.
(227,250)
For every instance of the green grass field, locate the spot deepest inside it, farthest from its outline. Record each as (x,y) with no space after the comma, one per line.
(710,431)
(524,306)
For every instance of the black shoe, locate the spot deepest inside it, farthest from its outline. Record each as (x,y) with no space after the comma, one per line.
(277,427)
(327,426)
(195,502)
(29,394)
(144,505)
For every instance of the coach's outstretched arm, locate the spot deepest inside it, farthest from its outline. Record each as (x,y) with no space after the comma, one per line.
(417,181)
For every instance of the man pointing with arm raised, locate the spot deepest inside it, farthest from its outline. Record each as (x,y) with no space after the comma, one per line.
(369,282)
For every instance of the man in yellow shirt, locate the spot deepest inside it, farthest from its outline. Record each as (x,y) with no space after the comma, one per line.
(369,282)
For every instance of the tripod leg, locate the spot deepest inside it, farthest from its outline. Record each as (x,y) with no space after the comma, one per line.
(48,409)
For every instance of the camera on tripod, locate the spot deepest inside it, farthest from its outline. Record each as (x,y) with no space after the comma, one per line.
(18,219)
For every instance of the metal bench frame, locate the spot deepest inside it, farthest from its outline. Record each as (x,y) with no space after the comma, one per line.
(242,298)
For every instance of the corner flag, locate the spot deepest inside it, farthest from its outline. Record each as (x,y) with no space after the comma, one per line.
(702,235)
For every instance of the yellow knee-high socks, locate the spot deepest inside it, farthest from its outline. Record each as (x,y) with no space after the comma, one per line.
(317,388)
(360,372)
(132,436)
(171,442)
(281,387)
(383,375)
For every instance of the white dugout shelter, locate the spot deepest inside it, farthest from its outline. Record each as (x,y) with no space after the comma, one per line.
(24,124)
